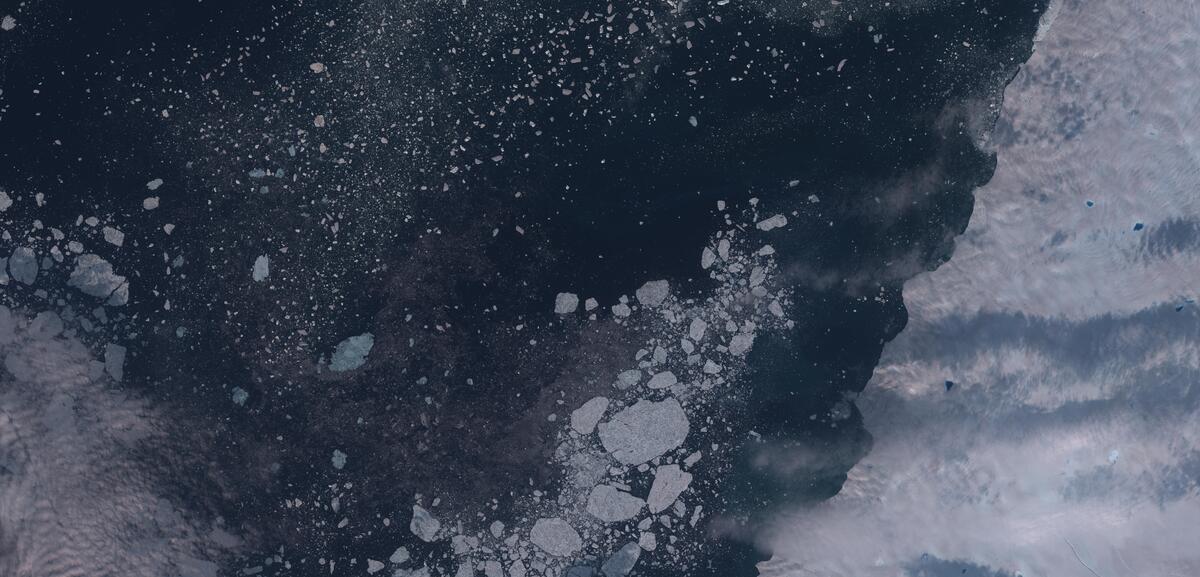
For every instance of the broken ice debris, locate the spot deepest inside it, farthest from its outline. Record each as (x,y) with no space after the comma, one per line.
(609,504)
(150,203)
(696,329)
(374,566)
(644,431)
(8,23)
(154,184)
(566,303)
(653,293)
(23,266)
(622,562)
(662,380)
(584,418)
(424,525)
(669,483)
(5,201)
(707,258)
(338,459)
(261,269)
(239,396)
(94,276)
(772,223)
(352,353)
(555,536)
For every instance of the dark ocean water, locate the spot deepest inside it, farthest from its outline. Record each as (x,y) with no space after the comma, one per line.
(886,139)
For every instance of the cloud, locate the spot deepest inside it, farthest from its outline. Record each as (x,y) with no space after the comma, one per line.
(78,493)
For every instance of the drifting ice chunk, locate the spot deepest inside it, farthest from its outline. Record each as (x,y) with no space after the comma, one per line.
(628,378)
(696,329)
(239,396)
(94,276)
(772,223)
(154,184)
(669,483)
(113,236)
(555,536)
(584,418)
(374,566)
(609,504)
(262,268)
(707,258)
(424,525)
(662,380)
(644,431)
(352,352)
(22,265)
(150,203)
(114,361)
(399,556)
(653,293)
(622,562)
(338,459)
(740,344)
(566,303)
(8,23)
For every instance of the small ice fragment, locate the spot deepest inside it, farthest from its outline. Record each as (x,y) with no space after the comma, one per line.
(772,223)
(1113,455)
(584,419)
(154,184)
(113,236)
(669,483)
(653,293)
(8,23)
(555,536)
(710,367)
(338,459)
(374,566)
(696,329)
(566,303)
(5,201)
(317,67)
(692,120)
(662,380)
(633,27)
(257,173)
(611,505)
(644,431)
(621,310)
(352,353)
(261,269)
(239,396)
(707,258)
(424,525)
(150,203)
(497,529)
(590,304)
